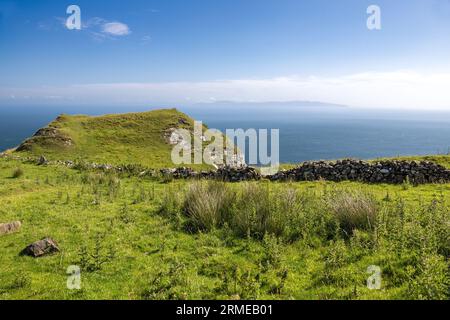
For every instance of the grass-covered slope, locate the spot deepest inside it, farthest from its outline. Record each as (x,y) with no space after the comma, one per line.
(137,138)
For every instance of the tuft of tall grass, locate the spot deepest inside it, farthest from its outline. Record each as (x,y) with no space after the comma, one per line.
(171,204)
(354,210)
(251,210)
(207,204)
(17,173)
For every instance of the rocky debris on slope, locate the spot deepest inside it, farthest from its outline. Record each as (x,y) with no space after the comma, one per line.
(41,248)
(233,157)
(42,160)
(48,135)
(8,228)
(173,136)
(390,171)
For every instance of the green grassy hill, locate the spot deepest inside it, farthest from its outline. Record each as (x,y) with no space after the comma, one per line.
(137,138)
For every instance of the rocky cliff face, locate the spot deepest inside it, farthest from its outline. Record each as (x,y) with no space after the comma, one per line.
(233,157)
(48,135)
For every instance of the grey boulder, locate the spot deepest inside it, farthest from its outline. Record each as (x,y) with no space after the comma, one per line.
(7,228)
(41,248)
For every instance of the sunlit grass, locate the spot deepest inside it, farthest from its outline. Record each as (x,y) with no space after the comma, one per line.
(134,250)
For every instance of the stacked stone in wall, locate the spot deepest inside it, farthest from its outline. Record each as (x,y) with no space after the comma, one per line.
(236,174)
(389,171)
(229,174)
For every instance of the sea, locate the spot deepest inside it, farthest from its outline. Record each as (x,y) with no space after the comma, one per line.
(306,133)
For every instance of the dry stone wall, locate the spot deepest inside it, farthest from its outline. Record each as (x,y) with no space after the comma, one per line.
(388,171)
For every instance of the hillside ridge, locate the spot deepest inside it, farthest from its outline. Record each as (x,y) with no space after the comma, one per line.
(140,138)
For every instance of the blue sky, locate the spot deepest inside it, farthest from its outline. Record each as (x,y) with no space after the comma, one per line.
(179,51)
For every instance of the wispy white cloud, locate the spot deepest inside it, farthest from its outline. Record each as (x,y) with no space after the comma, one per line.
(116,29)
(399,89)
(146,39)
(44,26)
(93,22)
(98,28)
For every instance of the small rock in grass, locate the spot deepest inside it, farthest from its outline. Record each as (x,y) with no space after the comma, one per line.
(7,228)
(41,161)
(41,248)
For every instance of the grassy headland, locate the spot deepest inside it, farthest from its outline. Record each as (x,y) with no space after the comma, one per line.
(137,138)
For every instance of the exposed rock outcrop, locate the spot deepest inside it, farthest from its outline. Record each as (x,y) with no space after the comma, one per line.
(48,135)
(232,156)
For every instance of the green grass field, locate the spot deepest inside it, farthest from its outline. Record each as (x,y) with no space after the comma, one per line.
(134,238)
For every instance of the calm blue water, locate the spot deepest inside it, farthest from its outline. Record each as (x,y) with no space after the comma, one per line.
(304,134)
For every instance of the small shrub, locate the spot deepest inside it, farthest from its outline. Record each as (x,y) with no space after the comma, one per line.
(113,187)
(432,279)
(171,204)
(406,185)
(168,284)
(238,284)
(290,207)
(92,259)
(278,285)
(67,199)
(141,197)
(361,241)
(272,252)
(354,210)
(17,173)
(126,216)
(337,255)
(309,217)
(337,259)
(20,281)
